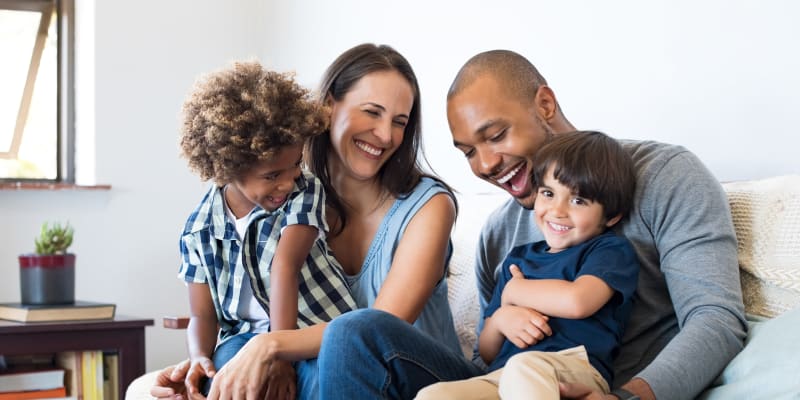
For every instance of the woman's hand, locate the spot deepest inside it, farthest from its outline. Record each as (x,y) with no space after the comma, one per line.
(169,382)
(281,381)
(246,375)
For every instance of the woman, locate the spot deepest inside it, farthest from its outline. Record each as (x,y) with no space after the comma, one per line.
(390,223)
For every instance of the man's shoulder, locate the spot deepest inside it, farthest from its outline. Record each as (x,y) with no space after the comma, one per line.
(648,153)
(661,164)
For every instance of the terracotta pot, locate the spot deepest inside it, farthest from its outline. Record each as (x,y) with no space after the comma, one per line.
(47,279)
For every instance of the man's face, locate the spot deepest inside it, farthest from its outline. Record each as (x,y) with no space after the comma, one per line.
(499,135)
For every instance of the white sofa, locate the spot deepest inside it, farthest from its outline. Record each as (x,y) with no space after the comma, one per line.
(766,215)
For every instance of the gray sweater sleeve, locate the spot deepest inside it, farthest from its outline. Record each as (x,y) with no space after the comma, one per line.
(686,211)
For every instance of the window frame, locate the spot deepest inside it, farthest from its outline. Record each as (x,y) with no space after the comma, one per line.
(65,92)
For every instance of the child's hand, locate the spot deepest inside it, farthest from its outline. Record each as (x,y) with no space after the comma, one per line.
(200,369)
(522,326)
(169,382)
(516,276)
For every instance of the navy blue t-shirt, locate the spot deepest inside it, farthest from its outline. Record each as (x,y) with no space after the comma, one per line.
(606,256)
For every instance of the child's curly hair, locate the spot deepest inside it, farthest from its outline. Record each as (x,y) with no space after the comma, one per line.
(241,115)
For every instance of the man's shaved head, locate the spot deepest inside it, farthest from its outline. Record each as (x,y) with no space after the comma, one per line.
(514,72)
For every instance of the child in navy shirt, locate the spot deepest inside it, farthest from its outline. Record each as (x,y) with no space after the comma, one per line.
(579,281)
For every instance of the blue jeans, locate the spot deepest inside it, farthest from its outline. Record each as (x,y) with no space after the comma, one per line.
(371,354)
(307,387)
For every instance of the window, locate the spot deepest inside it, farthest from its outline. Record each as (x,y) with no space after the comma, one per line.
(36,100)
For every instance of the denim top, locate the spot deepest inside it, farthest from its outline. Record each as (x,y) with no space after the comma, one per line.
(436,319)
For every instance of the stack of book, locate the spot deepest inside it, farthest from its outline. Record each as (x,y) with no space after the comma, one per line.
(86,375)
(31,377)
(80,310)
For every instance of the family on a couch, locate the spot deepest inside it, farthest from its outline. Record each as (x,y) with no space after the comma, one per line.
(299,180)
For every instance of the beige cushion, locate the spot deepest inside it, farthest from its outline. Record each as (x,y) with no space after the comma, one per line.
(766,215)
(139,389)
(461,284)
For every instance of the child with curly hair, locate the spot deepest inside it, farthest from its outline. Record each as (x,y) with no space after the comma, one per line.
(254,253)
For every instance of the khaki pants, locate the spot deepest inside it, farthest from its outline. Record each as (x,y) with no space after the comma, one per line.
(528,375)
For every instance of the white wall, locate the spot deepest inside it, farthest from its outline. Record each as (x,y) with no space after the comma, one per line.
(716,76)
(147,54)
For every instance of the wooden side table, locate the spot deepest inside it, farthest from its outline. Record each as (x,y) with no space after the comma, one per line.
(125,335)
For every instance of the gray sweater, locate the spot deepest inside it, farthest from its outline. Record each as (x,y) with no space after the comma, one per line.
(688,319)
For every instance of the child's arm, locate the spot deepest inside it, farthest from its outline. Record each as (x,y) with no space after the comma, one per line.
(290,255)
(558,298)
(491,339)
(201,334)
(519,325)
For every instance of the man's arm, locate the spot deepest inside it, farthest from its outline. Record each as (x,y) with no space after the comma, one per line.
(686,211)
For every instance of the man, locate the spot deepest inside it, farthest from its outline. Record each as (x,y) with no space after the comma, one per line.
(688,318)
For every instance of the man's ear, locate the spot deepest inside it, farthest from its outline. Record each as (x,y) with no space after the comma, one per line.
(613,221)
(545,102)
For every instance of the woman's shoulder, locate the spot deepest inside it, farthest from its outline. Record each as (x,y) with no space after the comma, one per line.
(428,186)
(422,196)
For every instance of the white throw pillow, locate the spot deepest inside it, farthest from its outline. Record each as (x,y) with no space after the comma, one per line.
(766,215)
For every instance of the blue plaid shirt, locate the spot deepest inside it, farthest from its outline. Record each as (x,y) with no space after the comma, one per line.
(212,254)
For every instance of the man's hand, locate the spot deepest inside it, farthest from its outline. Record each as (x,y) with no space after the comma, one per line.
(578,391)
(169,382)
(245,376)
(282,381)
(522,326)
(637,386)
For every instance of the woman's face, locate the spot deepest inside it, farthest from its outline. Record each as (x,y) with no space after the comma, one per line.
(368,123)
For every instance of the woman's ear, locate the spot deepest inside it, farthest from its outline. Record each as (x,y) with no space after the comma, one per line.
(328,101)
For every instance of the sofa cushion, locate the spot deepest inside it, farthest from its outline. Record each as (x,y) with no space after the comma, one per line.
(461,283)
(767,367)
(766,215)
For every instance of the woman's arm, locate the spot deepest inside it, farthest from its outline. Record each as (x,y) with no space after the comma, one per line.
(419,261)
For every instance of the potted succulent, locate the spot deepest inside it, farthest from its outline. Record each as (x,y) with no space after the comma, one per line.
(48,276)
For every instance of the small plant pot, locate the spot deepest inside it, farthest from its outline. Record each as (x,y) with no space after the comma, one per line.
(47,279)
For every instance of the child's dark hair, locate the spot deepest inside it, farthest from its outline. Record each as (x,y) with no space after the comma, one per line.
(593,165)
(244,114)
